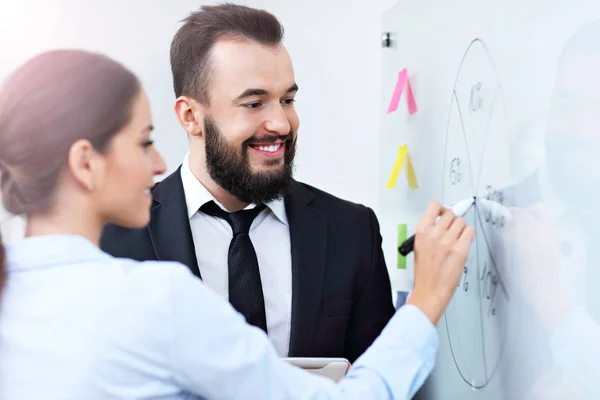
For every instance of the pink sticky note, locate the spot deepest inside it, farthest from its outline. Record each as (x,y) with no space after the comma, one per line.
(410,99)
(402,83)
(398,89)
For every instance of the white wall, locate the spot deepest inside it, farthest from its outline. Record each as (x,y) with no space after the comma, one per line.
(334,44)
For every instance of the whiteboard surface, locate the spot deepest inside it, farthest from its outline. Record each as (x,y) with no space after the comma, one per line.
(508,110)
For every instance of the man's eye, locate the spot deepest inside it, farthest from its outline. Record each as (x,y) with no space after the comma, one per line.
(253,105)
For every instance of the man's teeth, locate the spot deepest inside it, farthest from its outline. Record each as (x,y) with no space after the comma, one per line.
(272,148)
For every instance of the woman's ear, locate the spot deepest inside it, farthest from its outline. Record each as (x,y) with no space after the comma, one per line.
(190,115)
(84,163)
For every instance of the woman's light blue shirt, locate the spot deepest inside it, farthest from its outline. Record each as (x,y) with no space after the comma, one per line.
(77,323)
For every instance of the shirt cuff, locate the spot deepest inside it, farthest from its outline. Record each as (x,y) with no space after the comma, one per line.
(416,328)
(404,354)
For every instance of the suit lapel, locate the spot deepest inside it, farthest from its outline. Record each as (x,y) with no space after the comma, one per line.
(308,236)
(169,226)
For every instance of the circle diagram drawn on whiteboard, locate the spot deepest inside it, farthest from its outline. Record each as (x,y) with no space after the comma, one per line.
(476,164)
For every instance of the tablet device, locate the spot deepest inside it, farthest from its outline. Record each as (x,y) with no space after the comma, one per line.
(332,368)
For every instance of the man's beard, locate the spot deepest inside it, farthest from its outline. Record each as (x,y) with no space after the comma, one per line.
(233,172)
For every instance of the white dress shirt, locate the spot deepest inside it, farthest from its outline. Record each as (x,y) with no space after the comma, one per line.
(270,237)
(77,323)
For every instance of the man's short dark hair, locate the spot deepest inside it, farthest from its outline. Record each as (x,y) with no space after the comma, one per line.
(193,42)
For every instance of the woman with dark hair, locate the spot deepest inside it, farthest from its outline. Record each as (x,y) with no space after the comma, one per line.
(77,323)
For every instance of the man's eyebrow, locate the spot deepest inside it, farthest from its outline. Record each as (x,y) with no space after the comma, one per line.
(293,88)
(262,92)
(252,92)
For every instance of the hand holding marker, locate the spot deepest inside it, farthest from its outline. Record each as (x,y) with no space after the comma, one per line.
(460,209)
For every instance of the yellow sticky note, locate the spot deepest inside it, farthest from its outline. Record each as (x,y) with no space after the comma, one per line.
(391,183)
(410,172)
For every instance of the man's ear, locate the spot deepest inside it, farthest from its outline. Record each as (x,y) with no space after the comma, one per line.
(190,114)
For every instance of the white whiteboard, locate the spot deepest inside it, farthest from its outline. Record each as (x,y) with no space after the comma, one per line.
(490,82)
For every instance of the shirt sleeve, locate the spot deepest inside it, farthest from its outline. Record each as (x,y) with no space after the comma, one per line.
(216,355)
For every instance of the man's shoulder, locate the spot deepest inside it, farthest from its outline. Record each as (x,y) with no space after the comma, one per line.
(114,230)
(136,242)
(333,205)
(120,241)
(162,187)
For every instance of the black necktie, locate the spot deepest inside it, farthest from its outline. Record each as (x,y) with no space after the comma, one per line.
(245,287)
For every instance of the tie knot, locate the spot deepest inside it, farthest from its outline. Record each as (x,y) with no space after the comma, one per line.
(240,221)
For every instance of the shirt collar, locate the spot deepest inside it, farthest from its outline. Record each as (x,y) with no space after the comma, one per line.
(196,195)
(50,250)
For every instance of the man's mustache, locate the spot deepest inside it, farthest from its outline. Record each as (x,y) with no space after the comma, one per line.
(267,139)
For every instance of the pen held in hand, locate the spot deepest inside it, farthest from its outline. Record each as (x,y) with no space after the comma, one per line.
(459,209)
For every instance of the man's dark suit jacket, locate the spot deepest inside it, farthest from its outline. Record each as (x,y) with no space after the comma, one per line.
(341,292)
